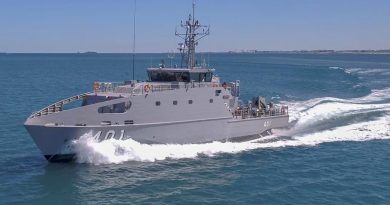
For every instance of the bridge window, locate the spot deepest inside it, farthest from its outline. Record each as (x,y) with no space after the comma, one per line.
(211,100)
(115,108)
(169,76)
(158,103)
(166,75)
(201,77)
(190,102)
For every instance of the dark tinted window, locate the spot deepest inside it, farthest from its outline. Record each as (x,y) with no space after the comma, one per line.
(168,76)
(201,77)
(182,76)
(209,76)
(115,108)
(179,76)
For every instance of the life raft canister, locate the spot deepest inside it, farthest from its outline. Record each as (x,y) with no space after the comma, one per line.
(224,85)
(147,88)
(96,87)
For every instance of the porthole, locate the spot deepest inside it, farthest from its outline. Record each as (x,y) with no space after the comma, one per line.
(158,103)
(211,100)
(190,102)
(175,102)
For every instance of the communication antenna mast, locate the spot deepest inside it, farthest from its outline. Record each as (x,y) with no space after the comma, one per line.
(191,38)
(135,6)
(171,56)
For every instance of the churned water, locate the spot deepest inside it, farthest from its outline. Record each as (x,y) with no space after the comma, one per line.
(335,151)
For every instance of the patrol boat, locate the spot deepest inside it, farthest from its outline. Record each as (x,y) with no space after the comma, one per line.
(179,105)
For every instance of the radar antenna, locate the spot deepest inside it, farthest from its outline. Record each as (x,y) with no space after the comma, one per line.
(191,38)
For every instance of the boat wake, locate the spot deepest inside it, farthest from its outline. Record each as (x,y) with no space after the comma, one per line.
(312,122)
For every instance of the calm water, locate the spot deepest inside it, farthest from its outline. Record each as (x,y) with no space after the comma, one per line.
(336,151)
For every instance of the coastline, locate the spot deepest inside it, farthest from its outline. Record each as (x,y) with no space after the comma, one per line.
(371,52)
(368,52)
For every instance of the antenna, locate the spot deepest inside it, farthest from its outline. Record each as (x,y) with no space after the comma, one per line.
(171,56)
(191,38)
(135,9)
(193,10)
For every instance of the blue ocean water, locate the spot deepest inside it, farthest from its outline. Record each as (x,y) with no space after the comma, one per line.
(336,150)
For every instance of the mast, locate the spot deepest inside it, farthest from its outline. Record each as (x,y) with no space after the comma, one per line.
(135,7)
(191,38)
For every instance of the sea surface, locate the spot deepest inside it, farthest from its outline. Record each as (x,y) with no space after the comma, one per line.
(335,151)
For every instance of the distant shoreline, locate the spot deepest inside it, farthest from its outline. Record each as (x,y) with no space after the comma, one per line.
(371,52)
(386,51)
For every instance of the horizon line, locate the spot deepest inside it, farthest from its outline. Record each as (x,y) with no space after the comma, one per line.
(229,51)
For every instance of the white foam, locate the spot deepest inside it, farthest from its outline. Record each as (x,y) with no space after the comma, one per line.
(375,96)
(320,108)
(366,71)
(330,110)
(372,72)
(377,129)
(89,150)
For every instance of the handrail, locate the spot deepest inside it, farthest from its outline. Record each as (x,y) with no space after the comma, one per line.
(107,86)
(247,112)
(58,106)
(139,88)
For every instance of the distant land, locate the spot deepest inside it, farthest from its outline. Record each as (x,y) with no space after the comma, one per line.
(374,52)
(385,51)
(88,52)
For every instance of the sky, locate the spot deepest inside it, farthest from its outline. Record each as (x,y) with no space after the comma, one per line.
(68,26)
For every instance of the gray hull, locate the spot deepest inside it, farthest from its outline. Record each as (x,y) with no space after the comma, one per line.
(54,141)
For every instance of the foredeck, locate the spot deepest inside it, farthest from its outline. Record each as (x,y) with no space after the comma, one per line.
(58,106)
